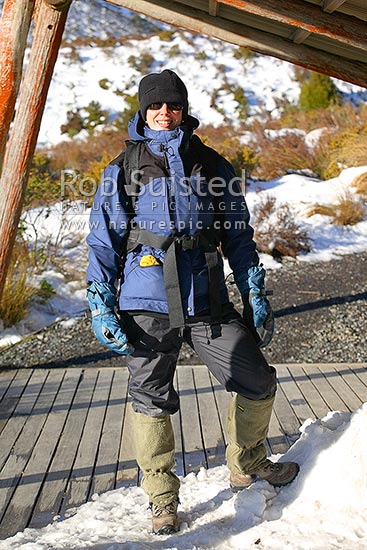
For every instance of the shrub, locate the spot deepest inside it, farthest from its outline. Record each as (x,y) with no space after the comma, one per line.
(201,56)
(166,36)
(244,159)
(105,84)
(317,92)
(142,63)
(74,123)
(243,53)
(278,155)
(122,120)
(78,154)
(349,148)
(96,116)
(17,293)
(43,186)
(174,50)
(242,105)
(276,231)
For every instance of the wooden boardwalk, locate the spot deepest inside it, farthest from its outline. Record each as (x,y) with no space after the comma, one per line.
(66,434)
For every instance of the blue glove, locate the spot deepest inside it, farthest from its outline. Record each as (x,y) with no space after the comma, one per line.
(105,324)
(251,284)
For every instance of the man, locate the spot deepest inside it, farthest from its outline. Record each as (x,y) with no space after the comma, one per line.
(162,211)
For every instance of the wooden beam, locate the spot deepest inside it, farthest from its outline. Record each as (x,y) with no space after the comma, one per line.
(213,8)
(180,15)
(299,36)
(14,27)
(297,13)
(49,26)
(331,5)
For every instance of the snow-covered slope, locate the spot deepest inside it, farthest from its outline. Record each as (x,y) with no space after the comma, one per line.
(208,66)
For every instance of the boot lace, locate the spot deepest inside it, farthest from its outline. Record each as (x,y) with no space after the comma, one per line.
(159,511)
(273,467)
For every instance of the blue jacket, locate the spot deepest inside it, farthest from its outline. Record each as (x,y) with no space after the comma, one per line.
(171,203)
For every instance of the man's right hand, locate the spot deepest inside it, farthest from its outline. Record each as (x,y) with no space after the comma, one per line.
(105,323)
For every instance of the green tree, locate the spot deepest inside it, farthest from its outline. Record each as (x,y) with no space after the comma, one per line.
(318,92)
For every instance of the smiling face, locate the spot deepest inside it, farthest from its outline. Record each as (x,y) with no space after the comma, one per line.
(163,117)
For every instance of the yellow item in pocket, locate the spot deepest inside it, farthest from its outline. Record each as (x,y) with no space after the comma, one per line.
(148,261)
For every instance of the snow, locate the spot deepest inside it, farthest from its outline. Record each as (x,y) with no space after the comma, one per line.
(75,82)
(325,508)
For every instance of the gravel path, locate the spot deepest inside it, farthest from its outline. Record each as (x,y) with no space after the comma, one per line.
(320,309)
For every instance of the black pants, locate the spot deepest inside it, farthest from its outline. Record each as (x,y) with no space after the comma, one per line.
(229,351)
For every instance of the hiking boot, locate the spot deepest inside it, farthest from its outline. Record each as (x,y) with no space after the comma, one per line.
(165,519)
(276,473)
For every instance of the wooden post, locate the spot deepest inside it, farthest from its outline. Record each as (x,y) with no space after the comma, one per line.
(49,25)
(14,27)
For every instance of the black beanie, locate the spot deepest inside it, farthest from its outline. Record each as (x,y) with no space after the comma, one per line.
(165,86)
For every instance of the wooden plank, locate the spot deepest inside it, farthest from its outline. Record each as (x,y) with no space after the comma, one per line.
(331,5)
(78,488)
(299,36)
(12,395)
(104,477)
(6,378)
(127,470)
(276,440)
(352,381)
(17,461)
(222,398)
(210,424)
(22,503)
(50,498)
(340,28)
(179,455)
(295,397)
(213,8)
(22,410)
(327,392)
(351,400)
(310,392)
(360,371)
(194,454)
(286,416)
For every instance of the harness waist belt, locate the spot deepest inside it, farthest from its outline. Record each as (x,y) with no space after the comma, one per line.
(208,240)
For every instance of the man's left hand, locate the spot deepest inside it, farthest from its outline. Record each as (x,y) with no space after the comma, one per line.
(251,284)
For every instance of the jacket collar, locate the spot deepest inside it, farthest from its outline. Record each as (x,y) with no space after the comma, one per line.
(138,131)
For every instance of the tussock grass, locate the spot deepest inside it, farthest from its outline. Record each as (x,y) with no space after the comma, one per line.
(360,184)
(17,293)
(347,211)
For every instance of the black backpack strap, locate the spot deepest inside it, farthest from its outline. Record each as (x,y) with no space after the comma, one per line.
(131,164)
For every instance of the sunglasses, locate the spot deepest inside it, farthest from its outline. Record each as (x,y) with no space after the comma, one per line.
(171,106)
